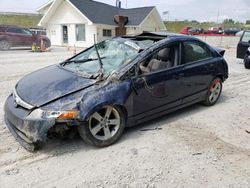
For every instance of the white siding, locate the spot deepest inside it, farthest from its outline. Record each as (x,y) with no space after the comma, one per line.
(62,12)
(54,32)
(152,23)
(67,15)
(134,30)
(100,32)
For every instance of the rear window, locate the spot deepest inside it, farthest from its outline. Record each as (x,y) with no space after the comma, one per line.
(246,36)
(195,52)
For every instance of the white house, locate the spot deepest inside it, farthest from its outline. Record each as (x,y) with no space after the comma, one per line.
(75,22)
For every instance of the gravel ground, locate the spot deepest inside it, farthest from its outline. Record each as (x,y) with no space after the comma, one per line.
(195,147)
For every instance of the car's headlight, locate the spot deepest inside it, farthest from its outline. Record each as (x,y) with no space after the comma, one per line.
(248,49)
(59,115)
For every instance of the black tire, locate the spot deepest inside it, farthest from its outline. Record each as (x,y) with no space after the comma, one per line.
(247,62)
(4,45)
(213,92)
(85,130)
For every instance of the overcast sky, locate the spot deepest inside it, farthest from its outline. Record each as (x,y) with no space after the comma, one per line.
(200,10)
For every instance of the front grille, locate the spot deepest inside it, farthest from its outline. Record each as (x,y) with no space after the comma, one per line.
(20,102)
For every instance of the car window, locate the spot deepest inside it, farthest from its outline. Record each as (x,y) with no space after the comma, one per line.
(195,52)
(15,30)
(26,32)
(246,36)
(162,59)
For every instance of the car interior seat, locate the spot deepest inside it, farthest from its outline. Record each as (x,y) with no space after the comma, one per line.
(189,54)
(162,61)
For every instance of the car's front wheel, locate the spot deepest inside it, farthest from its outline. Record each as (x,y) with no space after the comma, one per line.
(104,126)
(214,92)
(4,45)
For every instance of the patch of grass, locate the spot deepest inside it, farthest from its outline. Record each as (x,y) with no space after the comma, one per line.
(20,20)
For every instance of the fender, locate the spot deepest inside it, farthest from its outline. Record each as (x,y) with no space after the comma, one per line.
(115,93)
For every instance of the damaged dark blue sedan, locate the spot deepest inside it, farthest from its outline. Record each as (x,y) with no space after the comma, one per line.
(119,82)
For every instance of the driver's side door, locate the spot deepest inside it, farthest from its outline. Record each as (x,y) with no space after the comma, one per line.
(243,45)
(156,92)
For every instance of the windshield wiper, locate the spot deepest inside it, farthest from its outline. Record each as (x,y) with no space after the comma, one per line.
(101,70)
(80,61)
(77,61)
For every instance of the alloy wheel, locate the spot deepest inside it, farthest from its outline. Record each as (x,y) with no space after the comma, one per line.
(215,91)
(105,123)
(4,45)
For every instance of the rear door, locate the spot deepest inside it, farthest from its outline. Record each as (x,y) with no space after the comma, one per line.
(20,37)
(14,36)
(243,45)
(199,67)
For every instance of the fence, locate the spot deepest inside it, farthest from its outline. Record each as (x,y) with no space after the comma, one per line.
(221,41)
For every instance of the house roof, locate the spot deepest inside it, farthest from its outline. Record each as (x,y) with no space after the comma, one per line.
(101,13)
(49,3)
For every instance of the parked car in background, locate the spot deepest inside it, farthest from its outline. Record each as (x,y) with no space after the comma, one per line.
(231,31)
(243,44)
(214,30)
(191,31)
(247,59)
(12,36)
(119,82)
(185,30)
(243,51)
(195,31)
(240,33)
(38,31)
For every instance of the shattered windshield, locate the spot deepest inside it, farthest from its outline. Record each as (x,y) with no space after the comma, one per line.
(114,54)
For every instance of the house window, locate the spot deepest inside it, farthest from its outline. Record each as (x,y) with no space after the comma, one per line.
(80,32)
(107,32)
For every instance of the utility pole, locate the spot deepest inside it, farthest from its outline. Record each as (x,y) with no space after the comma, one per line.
(218,15)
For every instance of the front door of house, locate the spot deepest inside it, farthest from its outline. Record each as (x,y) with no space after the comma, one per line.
(65,34)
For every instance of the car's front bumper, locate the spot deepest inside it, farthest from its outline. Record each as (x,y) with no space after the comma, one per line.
(27,131)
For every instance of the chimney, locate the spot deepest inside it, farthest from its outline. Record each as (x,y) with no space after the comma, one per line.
(121,21)
(118,4)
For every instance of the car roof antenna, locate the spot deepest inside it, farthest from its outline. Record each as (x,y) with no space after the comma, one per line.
(99,58)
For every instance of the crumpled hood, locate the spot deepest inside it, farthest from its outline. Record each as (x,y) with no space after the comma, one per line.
(48,84)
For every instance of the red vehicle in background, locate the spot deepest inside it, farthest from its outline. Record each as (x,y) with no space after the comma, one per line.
(12,36)
(214,30)
(185,30)
(191,31)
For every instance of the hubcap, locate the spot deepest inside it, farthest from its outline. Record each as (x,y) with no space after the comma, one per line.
(215,92)
(104,123)
(4,45)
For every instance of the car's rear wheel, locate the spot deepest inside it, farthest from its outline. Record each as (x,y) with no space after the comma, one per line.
(4,45)
(104,126)
(214,92)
